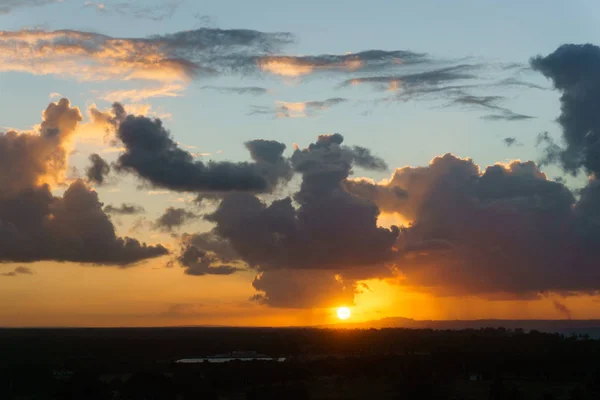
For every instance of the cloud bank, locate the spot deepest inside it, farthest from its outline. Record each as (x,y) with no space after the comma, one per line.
(36,225)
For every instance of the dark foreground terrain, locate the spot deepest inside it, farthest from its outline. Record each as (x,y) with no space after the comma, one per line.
(321,364)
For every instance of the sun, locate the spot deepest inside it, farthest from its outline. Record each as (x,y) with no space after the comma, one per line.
(343,313)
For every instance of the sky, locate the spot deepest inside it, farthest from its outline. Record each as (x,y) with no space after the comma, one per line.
(263,163)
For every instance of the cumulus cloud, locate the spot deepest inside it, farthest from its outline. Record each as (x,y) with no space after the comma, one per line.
(575,72)
(8,6)
(124,209)
(36,225)
(330,231)
(98,171)
(39,157)
(291,288)
(284,109)
(174,218)
(153,13)
(198,262)
(507,229)
(153,155)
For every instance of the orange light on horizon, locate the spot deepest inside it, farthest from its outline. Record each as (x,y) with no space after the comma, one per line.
(343,313)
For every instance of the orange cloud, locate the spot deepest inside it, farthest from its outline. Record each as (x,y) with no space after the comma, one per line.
(169,90)
(294,66)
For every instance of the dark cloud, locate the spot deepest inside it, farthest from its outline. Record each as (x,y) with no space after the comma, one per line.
(504,230)
(198,263)
(154,156)
(153,13)
(18,271)
(251,90)
(174,218)
(8,6)
(124,209)
(510,141)
(291,288)
(561,308)
(35,225)
(491,102)
(98,171)
(575,72)
(331,231)
(418,81)
(507,115)
(513,82)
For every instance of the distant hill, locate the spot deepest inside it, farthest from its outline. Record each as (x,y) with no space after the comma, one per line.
(565,327)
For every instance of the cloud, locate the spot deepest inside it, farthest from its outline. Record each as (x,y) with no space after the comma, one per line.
(199,263)
(153,155)
(174,218)
(154,13)
(330,231)
(561,308)
(418,81)
(491,102)
(8,6)
(170,58)
(575,72)
(18,271)
(290,288)
(510,141)
(98,170)
(284,109)
(54,95)
(504,230)
(251,90)
(124,209)
(136,95)
(513,82)
(36,225)
(371,60)
(39,157)
(507,115)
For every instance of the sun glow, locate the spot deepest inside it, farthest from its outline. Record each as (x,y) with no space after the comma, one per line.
(343,313)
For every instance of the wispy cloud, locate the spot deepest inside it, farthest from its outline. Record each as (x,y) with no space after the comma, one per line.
(89,56)
(491,103)
(135,95)
(18,271)
(297,66)
(8,6)
(154,13)
(251,90)
(284,109)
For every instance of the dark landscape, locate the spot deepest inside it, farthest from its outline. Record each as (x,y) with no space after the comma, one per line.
(139,363)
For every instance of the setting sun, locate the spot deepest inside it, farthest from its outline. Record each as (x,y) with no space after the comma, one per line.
(343,313)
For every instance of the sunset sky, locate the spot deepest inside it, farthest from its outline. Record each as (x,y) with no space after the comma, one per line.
(264,162)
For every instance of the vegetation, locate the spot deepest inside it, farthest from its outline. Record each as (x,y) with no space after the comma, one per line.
(321,364)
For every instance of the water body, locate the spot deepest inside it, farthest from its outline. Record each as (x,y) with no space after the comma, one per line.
(217,360)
